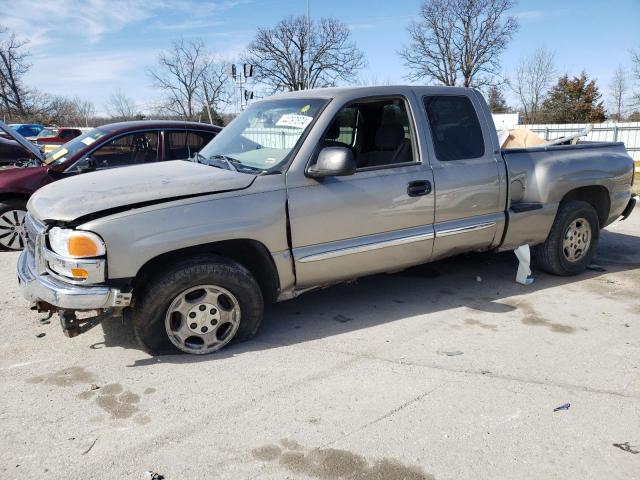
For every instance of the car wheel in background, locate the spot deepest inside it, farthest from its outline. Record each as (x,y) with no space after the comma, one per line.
(198,306)
(572,241)
(12,213)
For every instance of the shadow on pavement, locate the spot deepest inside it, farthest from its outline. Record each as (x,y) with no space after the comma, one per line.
(480,282)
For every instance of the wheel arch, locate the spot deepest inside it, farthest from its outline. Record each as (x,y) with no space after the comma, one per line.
(251,254)
(14,196)
(595,195)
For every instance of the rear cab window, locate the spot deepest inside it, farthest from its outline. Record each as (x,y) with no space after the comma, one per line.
(455,128)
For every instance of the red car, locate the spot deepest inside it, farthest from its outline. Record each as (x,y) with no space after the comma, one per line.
(109,146)
(56,136)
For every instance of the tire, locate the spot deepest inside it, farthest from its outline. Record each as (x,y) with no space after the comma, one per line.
(192,284)
(554,256)
(12,212)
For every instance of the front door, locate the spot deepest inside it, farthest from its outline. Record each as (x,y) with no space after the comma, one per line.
(376,220)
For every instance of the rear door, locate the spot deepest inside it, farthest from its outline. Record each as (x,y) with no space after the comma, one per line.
(469,199)
(376,220)
(182,144)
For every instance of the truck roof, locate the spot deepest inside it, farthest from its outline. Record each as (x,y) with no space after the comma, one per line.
(348,92)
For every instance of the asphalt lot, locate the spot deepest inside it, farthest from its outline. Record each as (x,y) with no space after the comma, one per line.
(428,373)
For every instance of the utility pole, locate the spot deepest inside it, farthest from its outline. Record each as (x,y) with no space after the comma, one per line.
(244,95)
(308,67)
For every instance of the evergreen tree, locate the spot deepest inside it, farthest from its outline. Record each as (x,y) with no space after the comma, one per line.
(496,101)
(574,100)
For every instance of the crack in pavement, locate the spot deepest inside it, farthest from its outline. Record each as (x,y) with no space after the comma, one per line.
(511,378)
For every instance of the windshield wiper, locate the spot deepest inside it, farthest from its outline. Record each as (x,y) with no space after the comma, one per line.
(230,162)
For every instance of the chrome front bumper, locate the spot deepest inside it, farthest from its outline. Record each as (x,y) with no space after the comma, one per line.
(45,288)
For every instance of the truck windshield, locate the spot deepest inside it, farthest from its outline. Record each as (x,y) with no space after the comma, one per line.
(61,153)
(264,135)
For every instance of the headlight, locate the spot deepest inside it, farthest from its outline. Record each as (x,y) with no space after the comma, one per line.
(76,244)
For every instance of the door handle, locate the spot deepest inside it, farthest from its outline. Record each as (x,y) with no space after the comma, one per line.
(418,188)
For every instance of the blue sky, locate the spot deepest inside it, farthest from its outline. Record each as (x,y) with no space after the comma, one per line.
(89,48)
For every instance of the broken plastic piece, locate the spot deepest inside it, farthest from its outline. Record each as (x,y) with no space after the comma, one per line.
(564,406)
(524,270)
(153,475)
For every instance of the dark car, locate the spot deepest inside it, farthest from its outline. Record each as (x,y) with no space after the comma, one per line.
(12,152)
(109,146)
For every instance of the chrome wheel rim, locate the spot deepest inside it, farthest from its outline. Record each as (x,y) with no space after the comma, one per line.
(202,319)
(577,239)
(12,234)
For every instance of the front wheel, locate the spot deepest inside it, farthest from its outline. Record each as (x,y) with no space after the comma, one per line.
(12,213)
(199,306)
(572,241)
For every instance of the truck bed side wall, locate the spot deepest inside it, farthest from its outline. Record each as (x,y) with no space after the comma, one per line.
(539,178)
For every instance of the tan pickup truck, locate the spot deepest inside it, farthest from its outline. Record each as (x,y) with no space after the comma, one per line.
(301,191)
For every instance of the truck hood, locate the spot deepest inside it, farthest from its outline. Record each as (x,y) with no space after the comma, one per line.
(109,191)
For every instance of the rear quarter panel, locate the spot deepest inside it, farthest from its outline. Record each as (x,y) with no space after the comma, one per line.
(546,175)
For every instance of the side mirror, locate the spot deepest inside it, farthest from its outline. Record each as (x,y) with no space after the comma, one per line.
(88,164)
(333,162)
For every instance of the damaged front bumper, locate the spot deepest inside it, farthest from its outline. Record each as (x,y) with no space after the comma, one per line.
(47,293)
(45,288)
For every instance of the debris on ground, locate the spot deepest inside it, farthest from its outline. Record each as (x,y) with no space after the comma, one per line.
(149,475)
(342,319)
(40,335)
(564,406)
(626,447)
(46,320)
(478,278)
(94,386)
(453,353)
(90,447)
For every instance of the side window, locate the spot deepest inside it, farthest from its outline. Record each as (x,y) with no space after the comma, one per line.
(132,149)
(455,128)
(182,144)
(378,132)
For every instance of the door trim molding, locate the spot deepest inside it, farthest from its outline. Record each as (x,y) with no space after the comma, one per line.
(464,229)
(366,247)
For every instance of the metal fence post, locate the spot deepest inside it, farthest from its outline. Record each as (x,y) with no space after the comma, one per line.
(546,133)
(615,132)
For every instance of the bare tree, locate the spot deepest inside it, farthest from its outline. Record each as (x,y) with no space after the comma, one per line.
(298,54)
(618,90)
(190,79)
(635,60)
(534,77)
(13,67)
(121,107)
(216,90)
(85,110)
(459,42)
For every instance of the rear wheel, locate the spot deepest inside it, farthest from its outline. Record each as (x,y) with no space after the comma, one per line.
(572,241)
(12,213)
(198,306)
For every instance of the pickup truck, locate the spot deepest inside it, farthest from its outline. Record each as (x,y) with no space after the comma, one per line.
(301,191)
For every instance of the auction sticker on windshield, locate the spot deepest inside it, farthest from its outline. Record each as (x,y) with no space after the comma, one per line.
(58,154)
(294,120)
